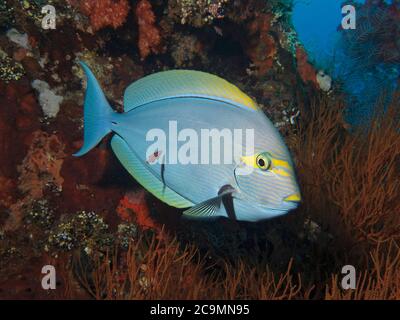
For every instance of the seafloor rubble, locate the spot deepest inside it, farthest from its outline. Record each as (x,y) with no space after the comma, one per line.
(54,207)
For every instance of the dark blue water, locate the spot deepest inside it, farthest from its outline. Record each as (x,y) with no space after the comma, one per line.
(351,57)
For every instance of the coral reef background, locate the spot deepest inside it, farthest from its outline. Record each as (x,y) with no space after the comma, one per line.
(109,238)
(364,60)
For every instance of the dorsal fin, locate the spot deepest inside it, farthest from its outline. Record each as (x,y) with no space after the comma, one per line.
(183,83)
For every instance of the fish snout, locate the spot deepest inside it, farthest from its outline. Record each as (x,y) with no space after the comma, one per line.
(293,198)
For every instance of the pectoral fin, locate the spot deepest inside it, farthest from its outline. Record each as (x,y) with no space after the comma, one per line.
(210,207)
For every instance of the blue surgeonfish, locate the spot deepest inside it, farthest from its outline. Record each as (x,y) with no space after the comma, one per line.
(175,136)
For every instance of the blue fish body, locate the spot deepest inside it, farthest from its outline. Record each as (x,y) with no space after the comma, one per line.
(188,103)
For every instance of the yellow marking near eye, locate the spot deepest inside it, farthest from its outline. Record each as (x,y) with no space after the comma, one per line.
(251,161)
(280,172)
(280,163)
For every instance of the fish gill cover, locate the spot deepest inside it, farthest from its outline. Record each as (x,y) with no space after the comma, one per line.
(109,238)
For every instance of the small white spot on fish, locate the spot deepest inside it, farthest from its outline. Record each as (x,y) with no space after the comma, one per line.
(153,157)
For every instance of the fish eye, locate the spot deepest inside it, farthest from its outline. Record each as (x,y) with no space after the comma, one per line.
(263,161)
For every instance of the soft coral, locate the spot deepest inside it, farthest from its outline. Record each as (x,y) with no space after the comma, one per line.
(104,13)
(149,35)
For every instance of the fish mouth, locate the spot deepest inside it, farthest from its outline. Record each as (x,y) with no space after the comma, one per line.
(293,198)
